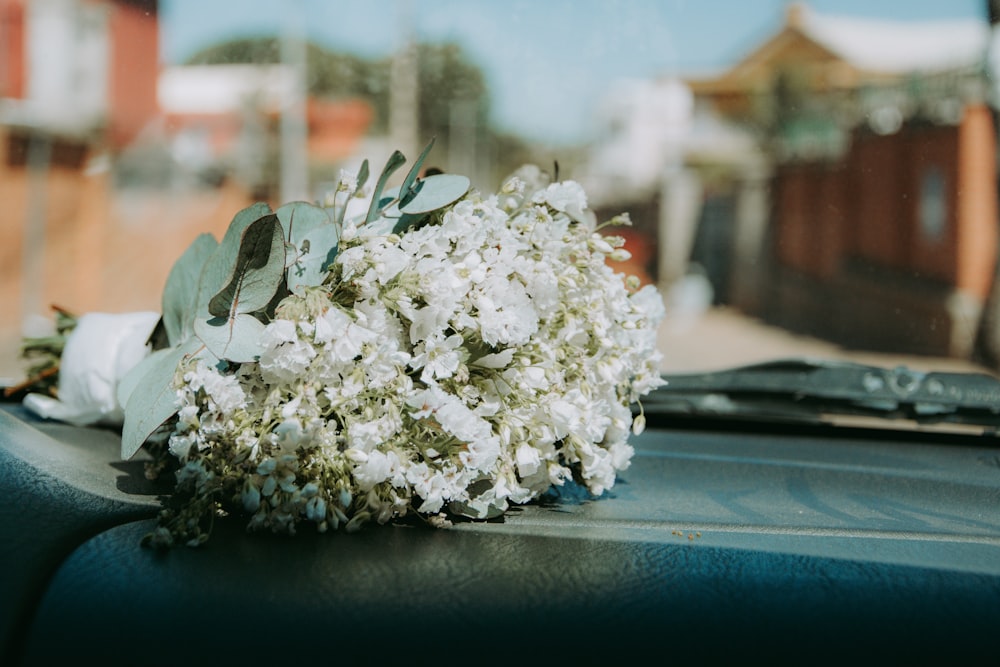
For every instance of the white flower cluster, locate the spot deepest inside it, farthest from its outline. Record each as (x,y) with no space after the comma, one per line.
(456,368)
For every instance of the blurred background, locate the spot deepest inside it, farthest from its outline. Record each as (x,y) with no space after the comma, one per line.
(812,179)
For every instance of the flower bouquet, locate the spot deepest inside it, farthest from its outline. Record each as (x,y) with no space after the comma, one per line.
(420,350)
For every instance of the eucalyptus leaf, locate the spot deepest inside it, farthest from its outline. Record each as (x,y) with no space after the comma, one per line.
(389,204)
(127,385)
(434,192)
(408,221)
(219,268)
(259,268)
(180,293)
(300,218)
(150,397)
(382,226)
(396,160)
(362,176)
(158,339)
(318,250)
(235,339)
(361,180)
(411,176)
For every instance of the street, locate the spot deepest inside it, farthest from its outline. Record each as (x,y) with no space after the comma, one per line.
(718,338)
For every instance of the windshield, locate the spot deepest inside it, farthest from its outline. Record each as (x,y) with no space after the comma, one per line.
(804,180)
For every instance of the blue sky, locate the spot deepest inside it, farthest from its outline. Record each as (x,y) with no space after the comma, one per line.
(546,61)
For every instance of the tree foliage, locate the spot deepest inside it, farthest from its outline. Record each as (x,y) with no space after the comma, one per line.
(447,79)
(445,76)
(329,74)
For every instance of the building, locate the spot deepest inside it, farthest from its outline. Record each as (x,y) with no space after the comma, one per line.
(77,79)
(229,118)
(76,71)
(882,230)
(103,184)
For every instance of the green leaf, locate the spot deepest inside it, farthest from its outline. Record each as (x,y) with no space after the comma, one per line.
(158,338)
(411,176)
(434,192)
(299,219)
(150,397)
(313,240)
(235,339)
(180,293)
(259,268)
(388,205)
(407,221)
(126,386)
(362,179)
(319,249)
(219,268)
(395,161)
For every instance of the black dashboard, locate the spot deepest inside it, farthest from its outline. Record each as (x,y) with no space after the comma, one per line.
(719,543)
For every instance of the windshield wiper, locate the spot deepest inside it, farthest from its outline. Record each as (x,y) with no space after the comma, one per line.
(813,391)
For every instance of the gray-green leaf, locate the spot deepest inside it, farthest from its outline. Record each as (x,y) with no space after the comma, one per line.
(318,250)
(150,395)
(300,218)
(235,339)
(181,290)
(361,180)
(396,160)
(434,192)
(411,176)
(259,268)
(219,268)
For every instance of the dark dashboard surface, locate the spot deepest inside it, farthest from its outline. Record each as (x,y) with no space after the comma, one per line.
(790,546)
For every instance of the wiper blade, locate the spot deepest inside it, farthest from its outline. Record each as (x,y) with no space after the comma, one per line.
(811,390)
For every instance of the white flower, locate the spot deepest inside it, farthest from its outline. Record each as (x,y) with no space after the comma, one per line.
(438,357)
(528,460)
(341,335)
(506,314)
(567,197)
(378,467)
(496,360)
(283,355)
(180,445)
(223,390)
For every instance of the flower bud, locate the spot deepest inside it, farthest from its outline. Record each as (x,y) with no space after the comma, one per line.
(250,496)
(639,424)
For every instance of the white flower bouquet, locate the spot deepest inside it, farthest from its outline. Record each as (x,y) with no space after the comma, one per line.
(439,353)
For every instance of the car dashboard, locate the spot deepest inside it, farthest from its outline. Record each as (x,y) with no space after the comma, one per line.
(722,541)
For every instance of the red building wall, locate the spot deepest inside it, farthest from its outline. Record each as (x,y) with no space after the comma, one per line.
(135,66)
(896,243)
(813,210)
(868,209)
(12,70)
(876,225)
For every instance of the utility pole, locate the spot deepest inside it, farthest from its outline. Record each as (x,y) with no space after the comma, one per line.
(986,347)
(39,160)
(294,154)
(404,93)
